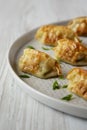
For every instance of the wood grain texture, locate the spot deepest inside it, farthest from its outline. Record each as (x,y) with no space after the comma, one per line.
(18,111)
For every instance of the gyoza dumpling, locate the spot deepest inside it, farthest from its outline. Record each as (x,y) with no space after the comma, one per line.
(79,26)
(39,64)
(71,52)
(50,34)
(78,82)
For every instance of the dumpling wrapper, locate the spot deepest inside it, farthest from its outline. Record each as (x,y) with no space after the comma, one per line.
(78,82)
(39,64)
(79,26)
(71,52)
(50,34)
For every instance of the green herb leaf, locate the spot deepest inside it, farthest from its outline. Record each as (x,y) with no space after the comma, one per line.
(65,86)
(68,97)
(59,61)
(80,40)
(44,48)
(31,47)
(24,76)
(61,77)
(56,85)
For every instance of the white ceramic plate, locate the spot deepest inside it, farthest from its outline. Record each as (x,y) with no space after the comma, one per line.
(41,89)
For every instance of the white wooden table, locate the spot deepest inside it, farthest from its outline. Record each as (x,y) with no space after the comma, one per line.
(18,111)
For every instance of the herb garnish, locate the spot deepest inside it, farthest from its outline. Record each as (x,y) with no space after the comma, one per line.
(61,77)
(80,40)
(68,97)
(56,85)
(65,86)
(59,61)
(24,76)
(44,48)
(31,47)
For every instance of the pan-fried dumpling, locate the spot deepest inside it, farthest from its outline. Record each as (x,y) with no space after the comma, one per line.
(71,52)
(50,34)
(79,26)
(78,82)
(39,64)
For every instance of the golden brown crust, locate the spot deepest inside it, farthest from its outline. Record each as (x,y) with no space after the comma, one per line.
(39,64)
(71,52)
(50,34)
(78,82)
(79,26)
